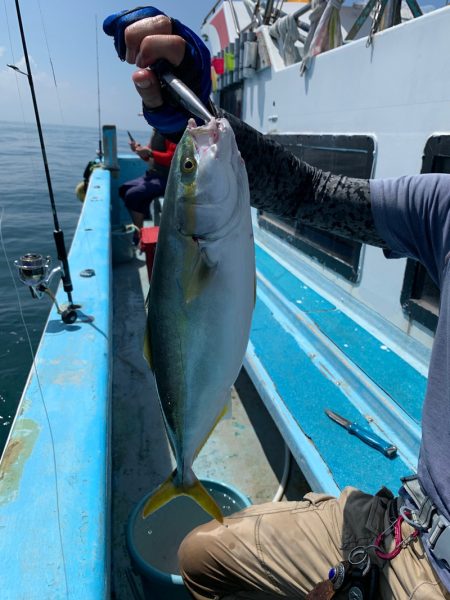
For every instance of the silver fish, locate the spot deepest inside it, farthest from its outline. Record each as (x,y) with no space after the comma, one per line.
(201,298)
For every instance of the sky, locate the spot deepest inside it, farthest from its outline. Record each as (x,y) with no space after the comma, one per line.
(62,33)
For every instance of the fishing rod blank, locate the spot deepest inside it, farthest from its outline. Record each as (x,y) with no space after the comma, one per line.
(57,233)
(100,149)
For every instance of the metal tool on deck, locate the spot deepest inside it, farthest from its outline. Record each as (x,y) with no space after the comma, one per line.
(365,434)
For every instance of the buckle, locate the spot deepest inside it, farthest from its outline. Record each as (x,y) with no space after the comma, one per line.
(439,539)
(425,509)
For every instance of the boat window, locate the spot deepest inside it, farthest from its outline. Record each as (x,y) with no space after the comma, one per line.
(420,295)
(350,155)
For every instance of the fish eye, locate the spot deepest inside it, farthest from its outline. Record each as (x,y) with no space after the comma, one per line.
(188,165)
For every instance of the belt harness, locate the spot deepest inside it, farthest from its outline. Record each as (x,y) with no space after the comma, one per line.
(426,518)
(357,578)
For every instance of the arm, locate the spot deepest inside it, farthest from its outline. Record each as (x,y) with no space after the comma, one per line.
(143,152)
(279,182)
(413,215)
(165,158)
(286,186)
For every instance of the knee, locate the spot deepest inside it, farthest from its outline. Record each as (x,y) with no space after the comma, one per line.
(201,559)
(193,553)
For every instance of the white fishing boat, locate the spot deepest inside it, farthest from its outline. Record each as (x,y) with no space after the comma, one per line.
(363,97)
(335,326)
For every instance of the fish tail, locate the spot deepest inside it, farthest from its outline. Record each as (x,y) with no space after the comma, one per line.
(169,490)
(198,493)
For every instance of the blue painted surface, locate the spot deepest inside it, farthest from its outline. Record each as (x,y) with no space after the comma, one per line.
(399,379)
(288,349)
(74,380)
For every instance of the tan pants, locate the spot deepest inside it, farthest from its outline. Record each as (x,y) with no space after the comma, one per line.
(281,550)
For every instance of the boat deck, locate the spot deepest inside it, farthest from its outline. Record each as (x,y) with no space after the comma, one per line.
(245,450)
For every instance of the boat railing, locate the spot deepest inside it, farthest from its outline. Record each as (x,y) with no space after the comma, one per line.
(235,19)
(275,37)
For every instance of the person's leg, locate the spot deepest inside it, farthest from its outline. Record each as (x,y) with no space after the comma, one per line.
(137,218)
(138,196)
(127,185)
(281,550)
(266,551)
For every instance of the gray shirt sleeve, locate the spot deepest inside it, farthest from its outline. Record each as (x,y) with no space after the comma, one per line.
(412,214)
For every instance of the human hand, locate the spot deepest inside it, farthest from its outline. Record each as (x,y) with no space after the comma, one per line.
(144,36)
(144,153)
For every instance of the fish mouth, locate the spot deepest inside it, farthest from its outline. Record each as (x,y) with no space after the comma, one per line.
(205,135)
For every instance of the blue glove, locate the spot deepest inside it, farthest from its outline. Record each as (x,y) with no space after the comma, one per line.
(194,70)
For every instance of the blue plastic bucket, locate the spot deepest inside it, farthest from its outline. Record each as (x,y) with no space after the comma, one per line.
(153,542)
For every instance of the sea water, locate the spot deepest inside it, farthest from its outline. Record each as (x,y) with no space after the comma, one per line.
(27,226)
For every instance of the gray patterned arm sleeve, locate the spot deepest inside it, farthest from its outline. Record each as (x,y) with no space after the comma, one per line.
(286,186)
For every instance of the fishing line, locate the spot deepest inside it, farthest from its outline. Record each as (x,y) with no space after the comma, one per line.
(51,63)
(34,366)
(88,230)
(31,158)
(14,61)
(58,234)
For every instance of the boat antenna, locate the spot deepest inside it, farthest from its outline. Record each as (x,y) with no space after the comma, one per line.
(57,233)
(100,149)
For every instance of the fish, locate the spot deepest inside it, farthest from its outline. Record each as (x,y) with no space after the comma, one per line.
(201,299)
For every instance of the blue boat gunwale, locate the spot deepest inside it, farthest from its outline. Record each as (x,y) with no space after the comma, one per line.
(68,511)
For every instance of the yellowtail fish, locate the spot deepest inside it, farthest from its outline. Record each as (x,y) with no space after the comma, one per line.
(201,298)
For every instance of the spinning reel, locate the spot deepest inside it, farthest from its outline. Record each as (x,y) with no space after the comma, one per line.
(34,272)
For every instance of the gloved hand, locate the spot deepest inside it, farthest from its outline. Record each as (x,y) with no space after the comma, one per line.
(143,36)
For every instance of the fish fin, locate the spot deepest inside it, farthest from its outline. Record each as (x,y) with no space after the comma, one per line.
(199,277)
(147,338)
(198,493)
(163,494)
(168,490)
(148,348)
(147,300)
(228,409)
(223,412)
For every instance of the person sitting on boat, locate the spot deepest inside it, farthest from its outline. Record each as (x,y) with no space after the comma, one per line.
(283,550)
(139,193)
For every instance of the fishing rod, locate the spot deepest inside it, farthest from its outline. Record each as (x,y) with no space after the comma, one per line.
(100,149)
(33,267)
